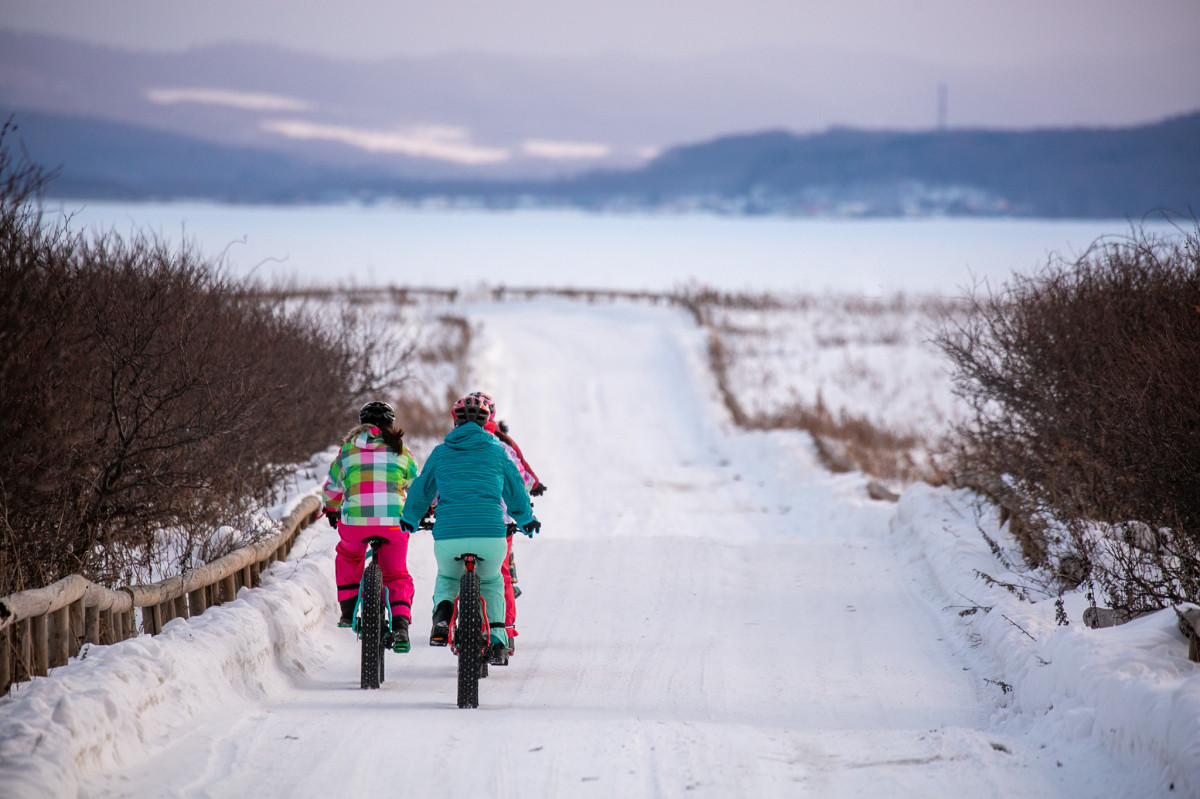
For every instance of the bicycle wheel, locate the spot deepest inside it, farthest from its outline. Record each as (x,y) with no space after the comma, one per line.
(469,640)
(385,627)
(371,625)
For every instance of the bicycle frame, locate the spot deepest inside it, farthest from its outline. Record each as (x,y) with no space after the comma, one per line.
(373,544)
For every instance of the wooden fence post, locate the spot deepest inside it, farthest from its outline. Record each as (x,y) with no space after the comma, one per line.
(76,632)
(1189,625)
(23,649)
(181,606)
(196,601)
(6,659)
(152,619)
(228,589)
(91,624)
(108,634)
(59,631)
(40,663)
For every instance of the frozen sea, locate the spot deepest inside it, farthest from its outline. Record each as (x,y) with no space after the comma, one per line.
(382,245)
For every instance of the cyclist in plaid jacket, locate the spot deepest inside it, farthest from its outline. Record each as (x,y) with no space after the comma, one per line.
(364,497)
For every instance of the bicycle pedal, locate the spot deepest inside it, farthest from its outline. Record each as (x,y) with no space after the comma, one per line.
(400,647)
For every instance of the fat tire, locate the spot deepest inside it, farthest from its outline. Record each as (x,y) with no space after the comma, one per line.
(371,626)
(469,640)
(385,628)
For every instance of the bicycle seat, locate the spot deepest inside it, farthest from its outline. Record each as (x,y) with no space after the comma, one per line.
(466,555)
(375,541)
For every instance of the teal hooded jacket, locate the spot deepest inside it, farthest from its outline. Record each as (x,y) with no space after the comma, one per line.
(470,474)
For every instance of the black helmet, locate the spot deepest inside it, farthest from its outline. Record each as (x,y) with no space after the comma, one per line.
(377,413)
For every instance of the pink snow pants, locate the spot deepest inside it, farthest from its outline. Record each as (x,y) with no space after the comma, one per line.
(350,553)
(510,597)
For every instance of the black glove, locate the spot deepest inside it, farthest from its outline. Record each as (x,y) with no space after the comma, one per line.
(533,527)
(427,520)
(406,527)
(333,516)
(538,489)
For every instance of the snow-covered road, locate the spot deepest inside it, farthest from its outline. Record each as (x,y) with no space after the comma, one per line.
(706,613)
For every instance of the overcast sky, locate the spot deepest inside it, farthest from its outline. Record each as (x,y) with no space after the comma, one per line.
(955,32)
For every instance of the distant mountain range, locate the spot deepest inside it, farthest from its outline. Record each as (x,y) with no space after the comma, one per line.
(1122,172)
(244,124)
(1082,173)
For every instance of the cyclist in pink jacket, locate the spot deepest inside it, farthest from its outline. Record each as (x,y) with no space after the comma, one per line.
(364,497)
(536,488)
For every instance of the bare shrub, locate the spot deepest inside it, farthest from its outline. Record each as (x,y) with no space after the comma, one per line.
(145,396)
(1082,382)
(378,357)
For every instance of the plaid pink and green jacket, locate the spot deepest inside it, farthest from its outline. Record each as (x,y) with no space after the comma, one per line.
(368,482)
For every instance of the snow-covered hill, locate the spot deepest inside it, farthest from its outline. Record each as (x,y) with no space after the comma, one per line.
(707,612)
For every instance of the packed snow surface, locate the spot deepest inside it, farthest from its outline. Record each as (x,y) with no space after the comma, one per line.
(706,613)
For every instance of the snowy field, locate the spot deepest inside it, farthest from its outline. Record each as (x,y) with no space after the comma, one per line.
(707,612)
(870,358)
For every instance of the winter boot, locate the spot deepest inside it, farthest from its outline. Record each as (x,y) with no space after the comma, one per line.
(440,634)
(498,654)
(398,639)
(347,606)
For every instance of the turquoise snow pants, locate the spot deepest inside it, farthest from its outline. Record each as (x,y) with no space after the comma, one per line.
(492,550)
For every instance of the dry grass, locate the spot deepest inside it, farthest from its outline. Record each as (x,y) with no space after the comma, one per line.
(844,442)
(761,344)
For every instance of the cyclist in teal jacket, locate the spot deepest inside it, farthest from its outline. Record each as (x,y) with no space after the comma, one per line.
(470,475)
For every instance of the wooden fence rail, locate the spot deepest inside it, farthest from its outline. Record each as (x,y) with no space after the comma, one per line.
(44,627)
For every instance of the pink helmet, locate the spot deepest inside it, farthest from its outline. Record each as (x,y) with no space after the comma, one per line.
(489,400)
(477,408)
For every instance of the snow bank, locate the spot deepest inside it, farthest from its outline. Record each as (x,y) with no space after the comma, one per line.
(1129,688)
(108,709)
